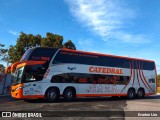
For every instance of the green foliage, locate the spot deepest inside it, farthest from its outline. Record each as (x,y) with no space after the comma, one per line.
(13,56)
(70,45)
(26,41)
(52,40)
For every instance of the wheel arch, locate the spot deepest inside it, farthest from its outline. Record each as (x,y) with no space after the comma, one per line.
(131,95)
(70,87)
(132,88)
(141,88)
(53,87)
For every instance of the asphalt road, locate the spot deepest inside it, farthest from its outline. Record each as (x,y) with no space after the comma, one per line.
(86,108)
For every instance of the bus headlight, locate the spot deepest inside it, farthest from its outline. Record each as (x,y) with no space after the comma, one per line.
(18,88)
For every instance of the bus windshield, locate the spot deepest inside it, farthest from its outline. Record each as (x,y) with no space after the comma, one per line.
(39,54)
(18,75)
(26,55)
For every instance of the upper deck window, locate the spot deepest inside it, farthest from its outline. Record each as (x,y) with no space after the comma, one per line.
(100,60)
(90,59)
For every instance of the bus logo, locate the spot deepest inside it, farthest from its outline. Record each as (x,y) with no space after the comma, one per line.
(71,68)
(105,70)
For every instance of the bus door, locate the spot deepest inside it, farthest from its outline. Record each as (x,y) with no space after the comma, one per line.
(33,75)
(30,89)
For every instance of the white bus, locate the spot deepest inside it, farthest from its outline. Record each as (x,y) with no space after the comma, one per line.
(50,73)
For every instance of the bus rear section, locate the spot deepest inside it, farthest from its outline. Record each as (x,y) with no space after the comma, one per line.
(77,80)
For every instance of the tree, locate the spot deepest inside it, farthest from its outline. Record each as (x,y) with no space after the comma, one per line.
(3,53)
(13,56)
(2,68)
(70,45)
(26,41)
(52,40)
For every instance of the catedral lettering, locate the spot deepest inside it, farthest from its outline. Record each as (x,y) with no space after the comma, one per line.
(51,73)
(105,70)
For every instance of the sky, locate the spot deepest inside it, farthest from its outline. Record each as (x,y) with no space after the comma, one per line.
(119,27)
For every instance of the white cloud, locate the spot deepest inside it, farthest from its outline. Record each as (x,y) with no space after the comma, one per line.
(131,38)
(107,18)
(86,42)
(13,32)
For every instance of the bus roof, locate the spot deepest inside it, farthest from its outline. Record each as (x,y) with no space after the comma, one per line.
(110,55)
(46,54)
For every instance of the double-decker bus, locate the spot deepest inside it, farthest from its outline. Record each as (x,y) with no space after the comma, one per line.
(50,73)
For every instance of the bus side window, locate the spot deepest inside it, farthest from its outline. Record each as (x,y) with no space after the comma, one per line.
(54,79)
(57,79)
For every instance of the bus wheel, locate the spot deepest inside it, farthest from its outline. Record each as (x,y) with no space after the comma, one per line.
(131,93)
(140,93)
(51,95)
(69,94)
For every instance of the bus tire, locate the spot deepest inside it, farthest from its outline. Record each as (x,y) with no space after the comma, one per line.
(69,94)
(131,93)
(140,93)
(51,95)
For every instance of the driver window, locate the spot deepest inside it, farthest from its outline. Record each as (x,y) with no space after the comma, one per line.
(34,73)
(30,76)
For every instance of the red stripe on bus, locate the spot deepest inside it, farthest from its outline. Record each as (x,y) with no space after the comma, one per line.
(147,94)
(146,81)
(141,76)
(156,77)
(110,55)
(133,75)
(96,95)
(137,73)
(129,77)
(33,96)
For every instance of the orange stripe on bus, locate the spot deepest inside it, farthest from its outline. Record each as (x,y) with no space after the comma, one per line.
(141,76)
(133,74)
(17,93)
(137,73)
(156,77)
(14,65)
(146,80)
(129,77)
(33,96)
(69,50)
(96,95)
(8,69)
(147,94)
(30,63)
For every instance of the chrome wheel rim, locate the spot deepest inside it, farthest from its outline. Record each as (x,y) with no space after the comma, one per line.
(140,93)
(69,95)
(52,95)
